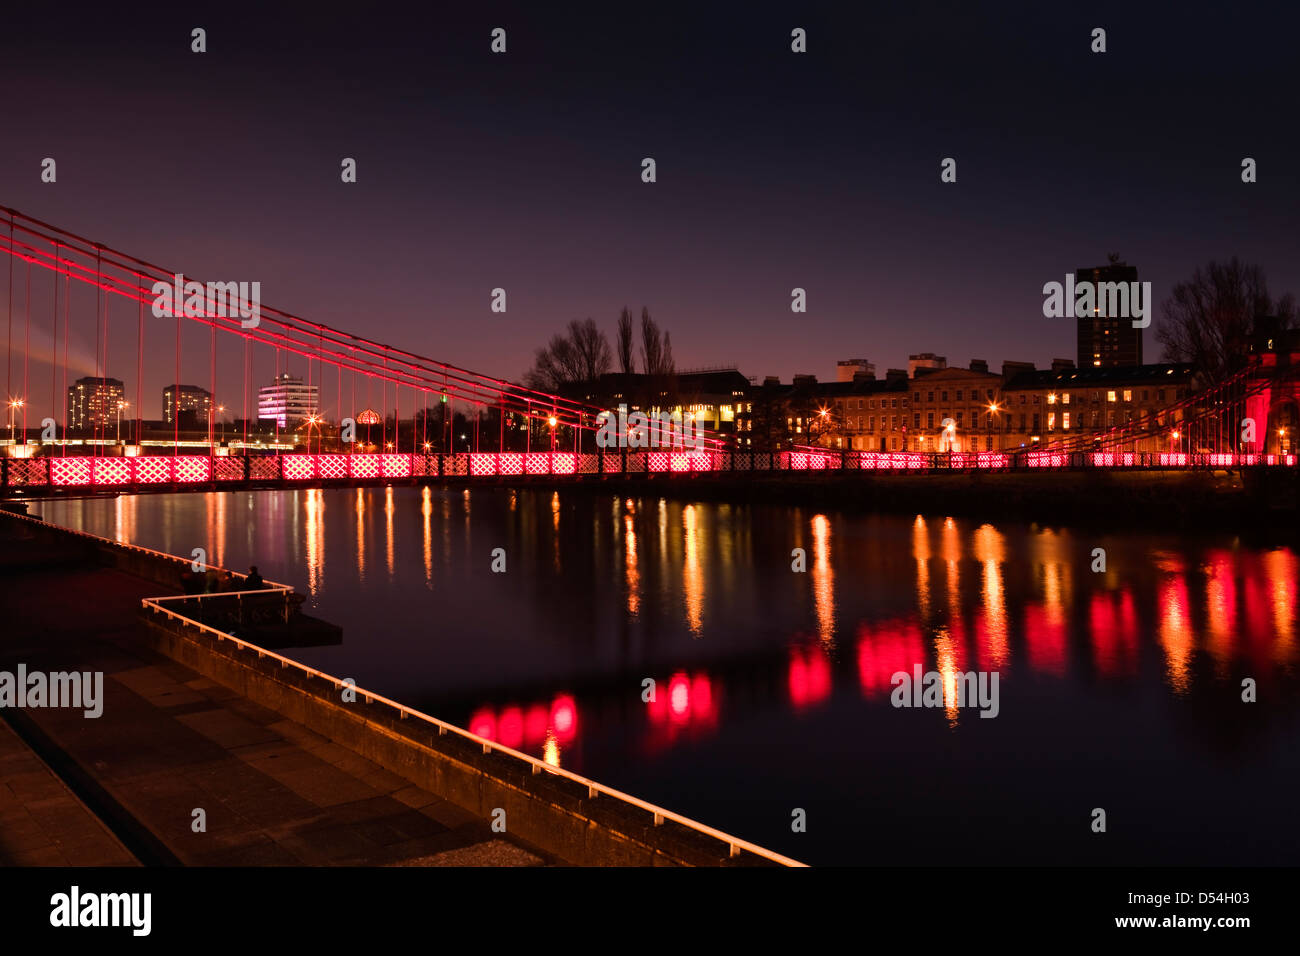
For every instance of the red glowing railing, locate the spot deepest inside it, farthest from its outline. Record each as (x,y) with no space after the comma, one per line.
(116,472)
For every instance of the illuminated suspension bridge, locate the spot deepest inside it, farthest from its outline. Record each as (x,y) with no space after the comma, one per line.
(517,431)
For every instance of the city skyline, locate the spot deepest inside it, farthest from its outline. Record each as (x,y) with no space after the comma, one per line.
(809,175)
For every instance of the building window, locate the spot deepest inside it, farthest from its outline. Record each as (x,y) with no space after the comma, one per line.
(916,419)
(943,395)
(894,403)
(958,395)
(1022,401)
(929,396)
(916,396)
(1065,421)
(959,421)
(1051,421)
(1110,397)
(1065,398)
(929,419)
(1128,395)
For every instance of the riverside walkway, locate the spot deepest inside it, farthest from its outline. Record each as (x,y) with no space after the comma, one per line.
(170,741)
(197,745)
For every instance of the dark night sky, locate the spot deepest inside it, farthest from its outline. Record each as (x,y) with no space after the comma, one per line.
(775,169)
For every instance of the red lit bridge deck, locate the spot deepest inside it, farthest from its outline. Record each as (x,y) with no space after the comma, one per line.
(44,475)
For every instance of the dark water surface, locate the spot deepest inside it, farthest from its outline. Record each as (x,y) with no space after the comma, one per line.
(1118,689)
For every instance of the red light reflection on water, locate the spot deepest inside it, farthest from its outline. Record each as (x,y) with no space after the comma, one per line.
(809,677)
(1112,626)
(885,650)
(683,700)
(1045,638)
(529,727)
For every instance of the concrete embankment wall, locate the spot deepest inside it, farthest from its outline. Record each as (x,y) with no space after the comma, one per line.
(165,570)
(555,813)
(1155,499)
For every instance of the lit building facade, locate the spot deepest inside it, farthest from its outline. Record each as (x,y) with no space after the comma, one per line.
(95,402)
(1108,340)
(287,401)
(179,399)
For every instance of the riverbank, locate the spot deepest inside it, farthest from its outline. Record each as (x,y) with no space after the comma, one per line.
(1097,499)
(285,767)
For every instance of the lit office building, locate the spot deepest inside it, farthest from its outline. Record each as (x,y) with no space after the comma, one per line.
(288,401)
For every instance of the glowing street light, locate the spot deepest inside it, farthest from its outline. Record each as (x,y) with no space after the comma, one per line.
(120,406)
(14,403)
(312,420)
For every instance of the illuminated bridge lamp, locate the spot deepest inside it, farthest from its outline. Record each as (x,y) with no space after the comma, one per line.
(15,403)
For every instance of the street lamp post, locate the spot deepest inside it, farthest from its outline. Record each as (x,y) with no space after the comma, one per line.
(120,406)
(14,405)
(313,420)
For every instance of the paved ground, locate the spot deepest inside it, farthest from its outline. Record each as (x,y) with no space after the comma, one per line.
(171,741)
(42,823)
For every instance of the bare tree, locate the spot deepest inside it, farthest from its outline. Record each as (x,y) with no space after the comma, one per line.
(578,356)
(652,346)
(1209,319)
(626,351)
(591,348)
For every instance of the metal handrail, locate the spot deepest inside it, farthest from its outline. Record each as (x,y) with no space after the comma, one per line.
(660,814)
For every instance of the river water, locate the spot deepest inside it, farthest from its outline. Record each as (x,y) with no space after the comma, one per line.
(1118,690)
